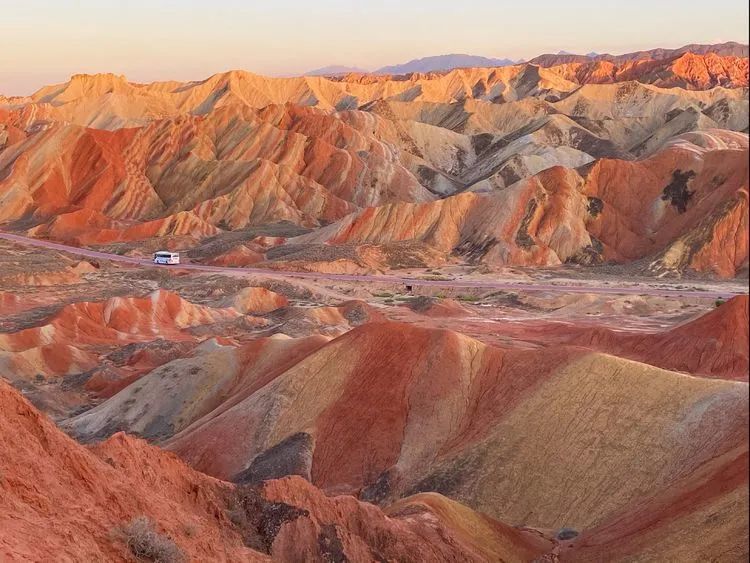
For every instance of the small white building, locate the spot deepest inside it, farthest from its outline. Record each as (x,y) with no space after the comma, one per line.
(166,257)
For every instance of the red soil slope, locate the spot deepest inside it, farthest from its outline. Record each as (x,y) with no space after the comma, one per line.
(678,524)
(74,339)
(61,501)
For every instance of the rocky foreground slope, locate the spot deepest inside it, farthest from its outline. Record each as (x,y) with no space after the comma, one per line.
(124,499)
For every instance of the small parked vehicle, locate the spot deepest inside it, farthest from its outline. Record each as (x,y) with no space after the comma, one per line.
(166,257)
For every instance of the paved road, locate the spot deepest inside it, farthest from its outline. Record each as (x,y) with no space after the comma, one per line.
(483,284)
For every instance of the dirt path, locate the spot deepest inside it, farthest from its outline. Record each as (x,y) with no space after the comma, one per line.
(562,287)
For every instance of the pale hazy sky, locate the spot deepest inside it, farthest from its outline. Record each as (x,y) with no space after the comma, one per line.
(45,41)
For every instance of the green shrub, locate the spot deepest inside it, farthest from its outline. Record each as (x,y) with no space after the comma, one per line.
(146,544)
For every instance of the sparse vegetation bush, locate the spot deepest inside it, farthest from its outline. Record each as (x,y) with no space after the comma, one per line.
(146,544)
(719,302)
(469,298)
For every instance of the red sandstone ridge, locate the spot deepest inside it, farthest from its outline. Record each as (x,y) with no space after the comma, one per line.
(135,184)
(692,197)
(427,528)
(715,344)
(118,319)
(72,340)
(690,71)
(683,208)
(92,495)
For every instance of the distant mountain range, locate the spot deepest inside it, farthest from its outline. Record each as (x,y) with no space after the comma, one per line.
(458,60)
(444,62)
(728,49)
(335,70)
(426,64)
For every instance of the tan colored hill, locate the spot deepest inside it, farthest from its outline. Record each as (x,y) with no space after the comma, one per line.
(396,442)
(438,412)
(109,101)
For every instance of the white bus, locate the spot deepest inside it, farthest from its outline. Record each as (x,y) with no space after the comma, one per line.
(166,257)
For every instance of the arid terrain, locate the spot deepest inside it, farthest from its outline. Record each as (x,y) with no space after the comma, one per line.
(485,314)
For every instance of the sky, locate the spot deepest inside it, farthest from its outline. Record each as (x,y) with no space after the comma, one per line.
(46,41)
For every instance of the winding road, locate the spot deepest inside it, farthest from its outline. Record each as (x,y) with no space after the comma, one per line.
(562,287)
